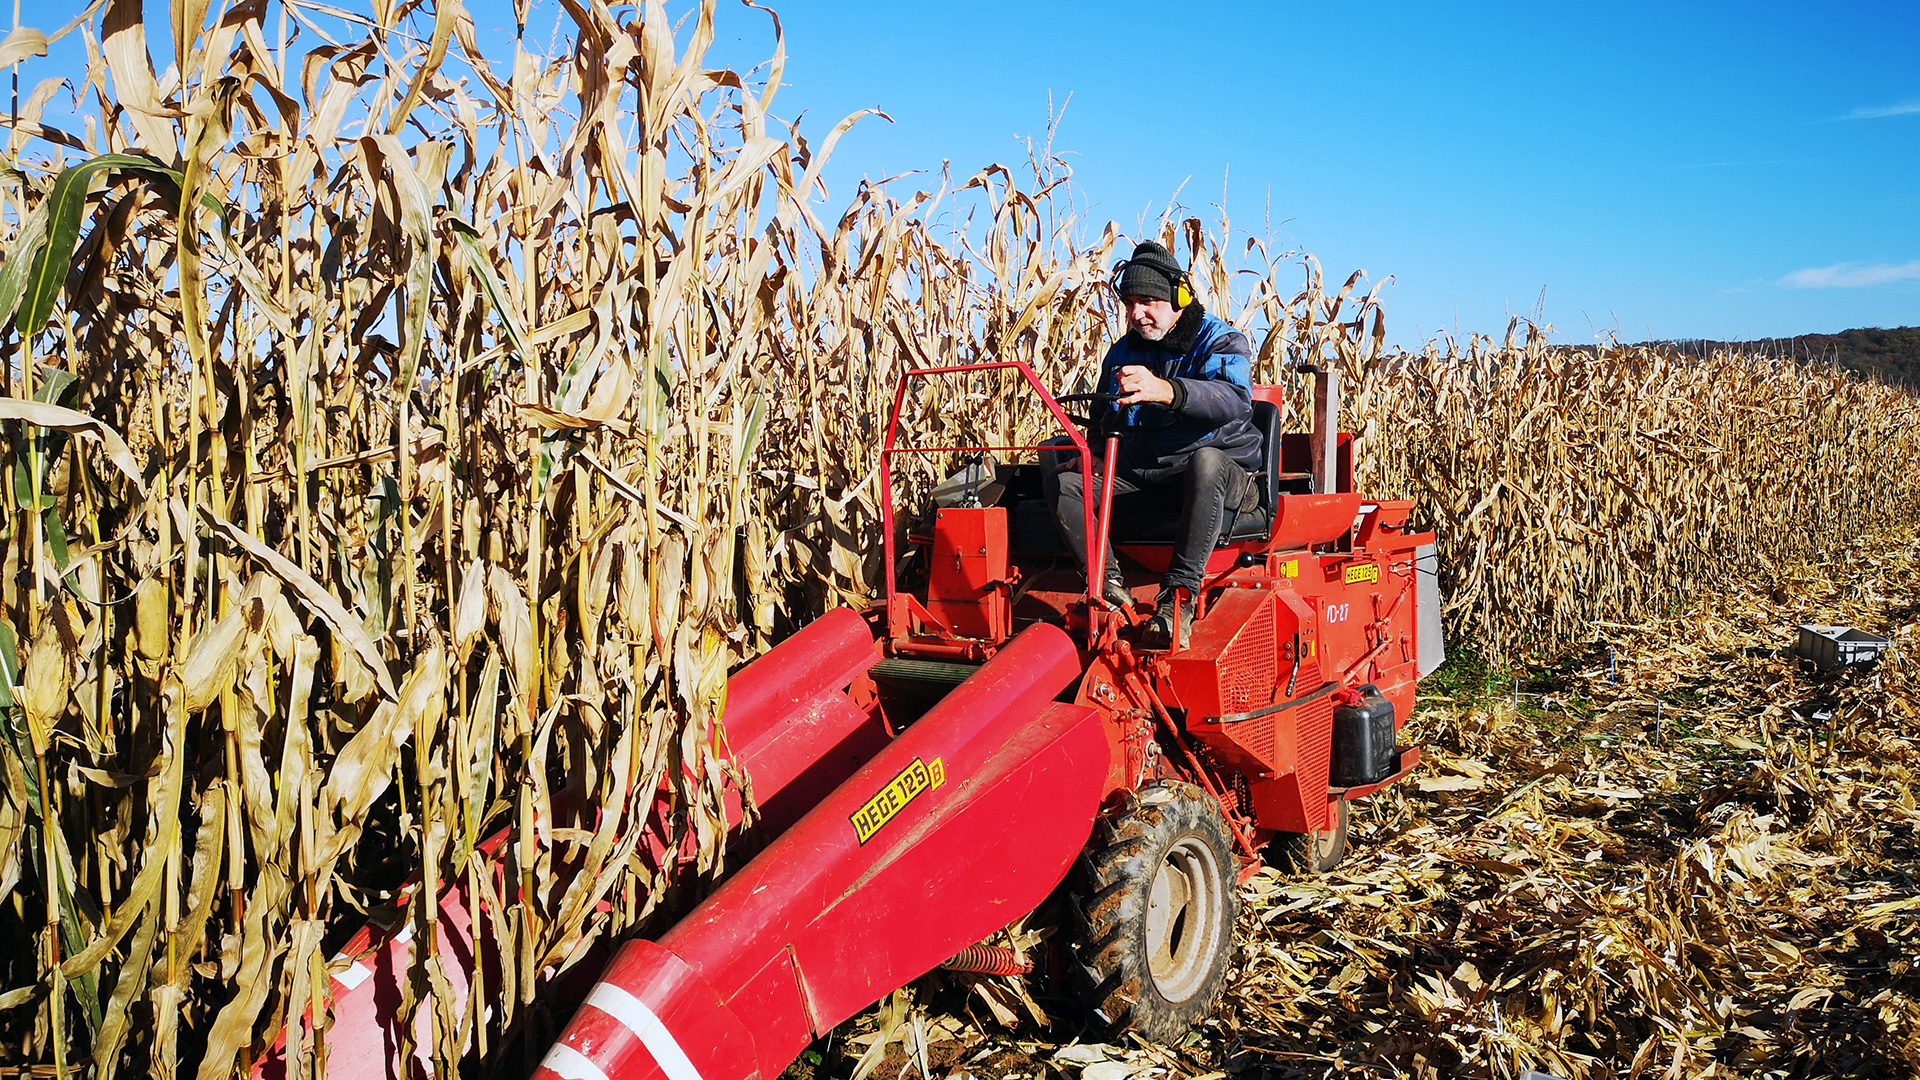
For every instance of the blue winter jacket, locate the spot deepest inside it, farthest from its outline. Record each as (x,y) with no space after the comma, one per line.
(1210,366)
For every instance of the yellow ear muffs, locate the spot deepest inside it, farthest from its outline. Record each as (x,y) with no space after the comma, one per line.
(1182,293)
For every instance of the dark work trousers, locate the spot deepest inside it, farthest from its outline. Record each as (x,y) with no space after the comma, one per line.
(1196,503)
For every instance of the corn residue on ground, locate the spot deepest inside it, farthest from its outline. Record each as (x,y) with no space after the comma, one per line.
(1681,853)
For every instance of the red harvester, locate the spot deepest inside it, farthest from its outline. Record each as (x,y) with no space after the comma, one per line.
(928,778)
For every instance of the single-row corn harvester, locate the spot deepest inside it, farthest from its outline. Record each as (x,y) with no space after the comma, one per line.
(932,772)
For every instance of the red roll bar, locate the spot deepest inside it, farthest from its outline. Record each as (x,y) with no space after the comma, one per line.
(896,609)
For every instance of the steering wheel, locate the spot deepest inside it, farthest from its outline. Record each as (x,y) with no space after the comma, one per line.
(1085,421)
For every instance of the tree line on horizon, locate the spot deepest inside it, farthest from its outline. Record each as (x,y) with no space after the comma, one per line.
(1888,354)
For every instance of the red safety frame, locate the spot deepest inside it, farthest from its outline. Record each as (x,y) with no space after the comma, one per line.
(1096,522)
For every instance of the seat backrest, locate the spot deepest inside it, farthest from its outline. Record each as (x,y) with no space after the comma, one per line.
(1249,524)
(1266,418)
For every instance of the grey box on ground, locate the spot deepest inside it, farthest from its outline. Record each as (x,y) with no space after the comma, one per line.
(1839,646)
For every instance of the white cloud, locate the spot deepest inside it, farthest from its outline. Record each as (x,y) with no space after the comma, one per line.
(1852,276)
(1881,112)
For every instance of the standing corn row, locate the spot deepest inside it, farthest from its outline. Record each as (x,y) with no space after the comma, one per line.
(1580,486)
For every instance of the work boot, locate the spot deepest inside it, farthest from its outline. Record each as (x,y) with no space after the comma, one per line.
(1159,631)
(1116,593)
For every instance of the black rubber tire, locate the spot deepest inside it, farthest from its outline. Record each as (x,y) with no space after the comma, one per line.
(1311,853)
(1155,897)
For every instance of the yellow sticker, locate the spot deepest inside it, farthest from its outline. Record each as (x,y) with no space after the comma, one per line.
(1290,568)
(918,777)
(1363,572)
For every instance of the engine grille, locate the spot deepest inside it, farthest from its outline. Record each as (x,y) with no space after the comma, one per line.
(1313,738)
(1248,667)
(1257,736)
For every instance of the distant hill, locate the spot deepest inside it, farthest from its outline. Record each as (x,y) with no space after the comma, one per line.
(1891,356)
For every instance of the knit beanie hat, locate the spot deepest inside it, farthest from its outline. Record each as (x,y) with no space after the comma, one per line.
(1150,273)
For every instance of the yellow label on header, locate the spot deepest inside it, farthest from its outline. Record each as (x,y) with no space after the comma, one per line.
(1290,568)
(916,779)
(1363,572)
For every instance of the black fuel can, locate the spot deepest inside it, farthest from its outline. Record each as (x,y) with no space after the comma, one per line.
(1363,734)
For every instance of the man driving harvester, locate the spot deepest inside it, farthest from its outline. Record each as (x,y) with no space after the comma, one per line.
(1184,416)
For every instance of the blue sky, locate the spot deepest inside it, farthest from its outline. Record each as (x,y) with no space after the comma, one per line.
(1657,170)
(1720,170)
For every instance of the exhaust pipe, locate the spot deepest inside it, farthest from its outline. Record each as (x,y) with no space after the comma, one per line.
(1326,429)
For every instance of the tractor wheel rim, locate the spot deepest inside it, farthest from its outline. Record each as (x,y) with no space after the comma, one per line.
(1184,909)
(1325,841)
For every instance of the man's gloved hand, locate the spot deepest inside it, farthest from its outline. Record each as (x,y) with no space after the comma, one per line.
(1143,387)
